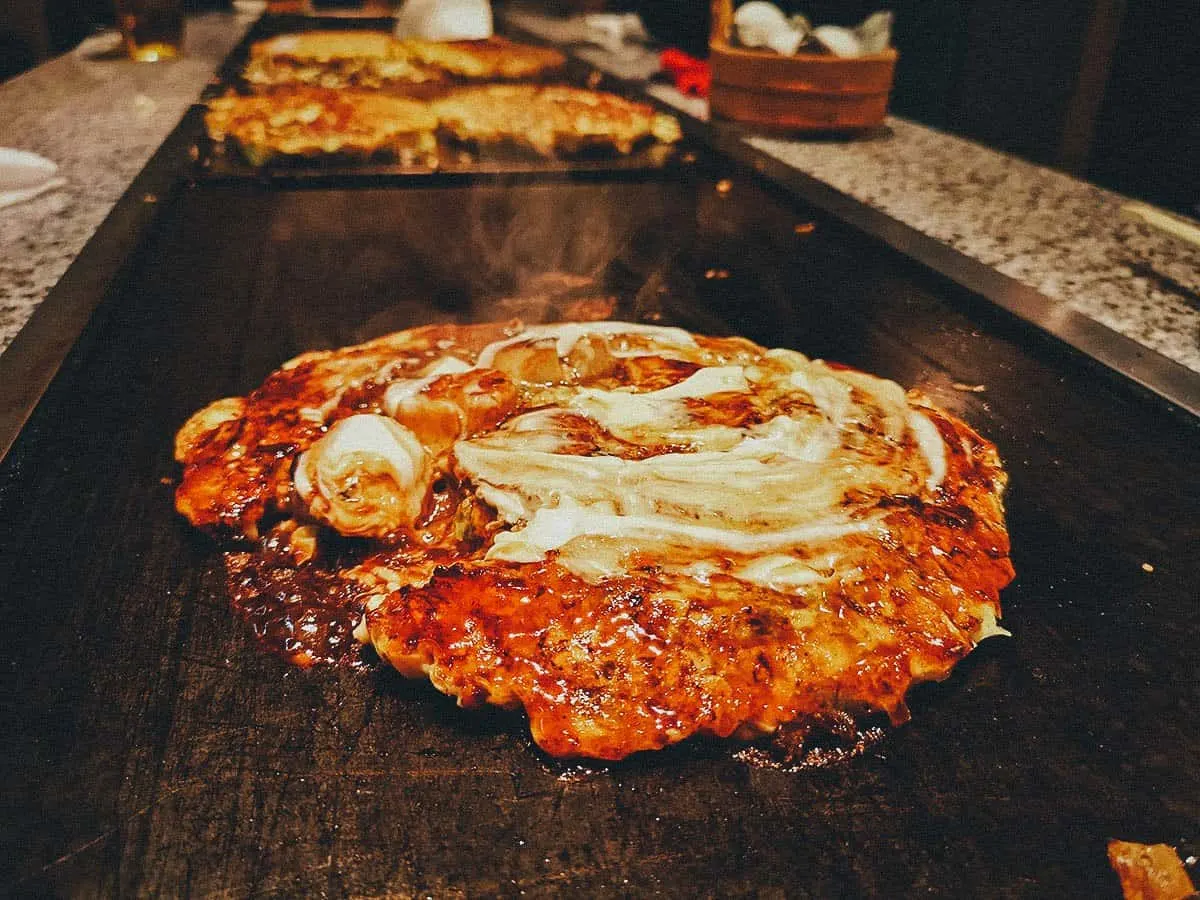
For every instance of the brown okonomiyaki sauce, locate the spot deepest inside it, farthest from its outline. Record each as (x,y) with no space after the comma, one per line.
(303,613)
(307,615)
(305,610)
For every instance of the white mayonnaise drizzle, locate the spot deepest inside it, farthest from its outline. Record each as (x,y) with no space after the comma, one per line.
(568,334)
(756,495)
(399,391)
(753,492)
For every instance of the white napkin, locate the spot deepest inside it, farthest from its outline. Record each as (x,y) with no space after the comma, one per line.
(445,20)
(24,175)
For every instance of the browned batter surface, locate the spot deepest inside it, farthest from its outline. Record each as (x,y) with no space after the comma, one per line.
(551,120)
(378,61)
(302,121)
(613,641)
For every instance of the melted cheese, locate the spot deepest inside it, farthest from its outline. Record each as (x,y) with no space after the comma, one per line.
(784,572)
(931,445)
(768,480)
(553,528)
(830,395)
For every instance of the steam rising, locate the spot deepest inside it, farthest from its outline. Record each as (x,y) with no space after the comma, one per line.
(366,262)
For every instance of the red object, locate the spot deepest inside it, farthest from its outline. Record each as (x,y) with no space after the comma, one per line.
(690,75)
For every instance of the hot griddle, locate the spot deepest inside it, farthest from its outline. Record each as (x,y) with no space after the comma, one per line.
(151,748)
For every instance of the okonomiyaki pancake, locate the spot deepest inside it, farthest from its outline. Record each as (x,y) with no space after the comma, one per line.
(378,61)
(635,533)
(335,59)
(302,122)
(551,120)
(493,59)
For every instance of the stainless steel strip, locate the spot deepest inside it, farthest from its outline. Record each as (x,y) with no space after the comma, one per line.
(1153,371)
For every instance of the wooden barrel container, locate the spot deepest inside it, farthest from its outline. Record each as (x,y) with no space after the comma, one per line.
(805,92)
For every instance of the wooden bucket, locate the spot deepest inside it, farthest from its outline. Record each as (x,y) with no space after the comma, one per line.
(806,92)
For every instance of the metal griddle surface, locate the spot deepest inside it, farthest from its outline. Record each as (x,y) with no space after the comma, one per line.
(151,748)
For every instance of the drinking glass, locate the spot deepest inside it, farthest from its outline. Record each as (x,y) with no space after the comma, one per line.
(152,29)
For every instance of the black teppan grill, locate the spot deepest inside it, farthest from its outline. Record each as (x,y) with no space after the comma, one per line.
(151,748)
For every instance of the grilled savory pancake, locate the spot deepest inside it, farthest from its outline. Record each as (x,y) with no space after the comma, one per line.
(334,59)
(635,533)
(376,60)
(494,59)
(551,120)
(309,121)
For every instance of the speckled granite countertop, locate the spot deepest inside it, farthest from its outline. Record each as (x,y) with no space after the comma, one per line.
(1063,237)
(100,120)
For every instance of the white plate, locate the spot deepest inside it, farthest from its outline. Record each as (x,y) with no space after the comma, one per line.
(24,175)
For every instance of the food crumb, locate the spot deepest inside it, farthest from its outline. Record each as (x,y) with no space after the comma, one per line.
(719,274)
(1149,871)
(805,228)
(724,186)
(1146,567)
(969,388)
